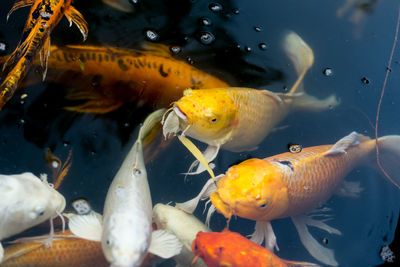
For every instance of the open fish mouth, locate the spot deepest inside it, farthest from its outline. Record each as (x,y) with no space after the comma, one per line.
(220,205)
(171,124)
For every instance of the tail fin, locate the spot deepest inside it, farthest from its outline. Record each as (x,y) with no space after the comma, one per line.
(388,153)
(301,56)
(306,102)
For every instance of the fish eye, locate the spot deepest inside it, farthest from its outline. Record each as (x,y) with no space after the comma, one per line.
(263,205)
(109,242)
(213,120)
(136,172)
(40,210)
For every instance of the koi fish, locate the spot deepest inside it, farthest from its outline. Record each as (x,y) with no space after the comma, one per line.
(238,119)
(27,200)
(66,250)
(291,185)
(184,226)
(43,17)
(121,5)
(232,249)
(126,228)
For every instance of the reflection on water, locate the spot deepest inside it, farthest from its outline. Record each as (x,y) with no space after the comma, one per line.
(240,43)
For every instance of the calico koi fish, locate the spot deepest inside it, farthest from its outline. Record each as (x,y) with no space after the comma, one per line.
(27,200)
(238,119)
(106,78)
(291,185)
(232,249)
(65,250)
(126,228)
(43,17)
(184,226)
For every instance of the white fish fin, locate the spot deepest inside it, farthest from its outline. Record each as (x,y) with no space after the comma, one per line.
(300,264)
(276,96)
(301,55)
(196,153)
(322,254)
(150,122)
(190,205)
(345,143)
(86,226)
(210,212)
(121,5)
(170,124)
(349,189)
(209,154)
(1,252)
(164,244)
(263,231)
(305,102)
(74,16)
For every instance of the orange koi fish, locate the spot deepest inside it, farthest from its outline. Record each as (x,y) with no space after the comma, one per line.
(66,250)
(238,119)
(232,249)
(290,185)
(43,17)
(108,77)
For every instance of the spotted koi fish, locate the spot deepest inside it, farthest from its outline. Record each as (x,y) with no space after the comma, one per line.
(43,17)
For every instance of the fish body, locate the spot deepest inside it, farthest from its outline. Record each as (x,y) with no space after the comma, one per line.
(289,184)
(65,250)
(27,201)
(231,249)
(44,15)
(127,218)
(184,226)
(238,119)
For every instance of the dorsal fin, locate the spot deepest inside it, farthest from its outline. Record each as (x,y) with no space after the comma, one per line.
(346,142)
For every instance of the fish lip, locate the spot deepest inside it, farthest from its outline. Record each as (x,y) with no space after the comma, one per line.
(220,205)
(180,113)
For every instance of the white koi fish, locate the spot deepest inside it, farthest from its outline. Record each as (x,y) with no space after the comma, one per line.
(185,227)
(27,200)
(126,228)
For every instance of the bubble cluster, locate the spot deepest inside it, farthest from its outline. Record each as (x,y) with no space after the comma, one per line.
(295,148)
(205,21)
(327,72)
(263,46)
(365,80)
(215,7)
(152,35)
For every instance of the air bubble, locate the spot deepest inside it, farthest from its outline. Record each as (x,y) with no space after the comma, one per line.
(325,240)
(247,49)
(295,148)
(175,49)
(152,35)
(257,28)
(137,172)
(206,38)
(215,7)
(235,11)
(190,60)
(328,72)
(263,46)
(387,254)
(365,80)
(205,22)
(2,47)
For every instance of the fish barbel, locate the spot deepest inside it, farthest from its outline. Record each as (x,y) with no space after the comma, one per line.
(65,250)
(43,17)
(27,201)
(238,119)
(126,228)
(292,184)
(106,77)
(234,250)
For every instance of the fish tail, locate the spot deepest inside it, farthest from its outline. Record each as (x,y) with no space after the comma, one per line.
(388,157)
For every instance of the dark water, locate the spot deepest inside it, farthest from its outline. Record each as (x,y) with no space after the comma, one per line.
(352,50)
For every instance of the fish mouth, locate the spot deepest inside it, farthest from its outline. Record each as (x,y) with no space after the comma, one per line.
(220,205)
(180,113)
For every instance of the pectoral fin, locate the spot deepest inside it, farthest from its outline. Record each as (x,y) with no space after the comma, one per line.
(345,143)
(76,17)
(263,231)
(86,226)
(323,254)
(209,154)
(44,56)
(164,244)
(18,4)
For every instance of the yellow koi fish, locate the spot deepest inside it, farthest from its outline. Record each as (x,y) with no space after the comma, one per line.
(43,17)
(106,78)
(238,119)
(290,185)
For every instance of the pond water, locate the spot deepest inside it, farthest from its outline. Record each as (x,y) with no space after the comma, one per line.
(239,42)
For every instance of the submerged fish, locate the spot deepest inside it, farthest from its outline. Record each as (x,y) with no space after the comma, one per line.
(126,228)
(121,5)
(27,200)
(43,17)
(106,78)
(65,250)
(290,185)
(238,119)
(233,250)
(184,226)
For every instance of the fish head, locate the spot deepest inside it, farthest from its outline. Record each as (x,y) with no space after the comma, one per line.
(252,189)
(205,115)
(123,244)
(201,244)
